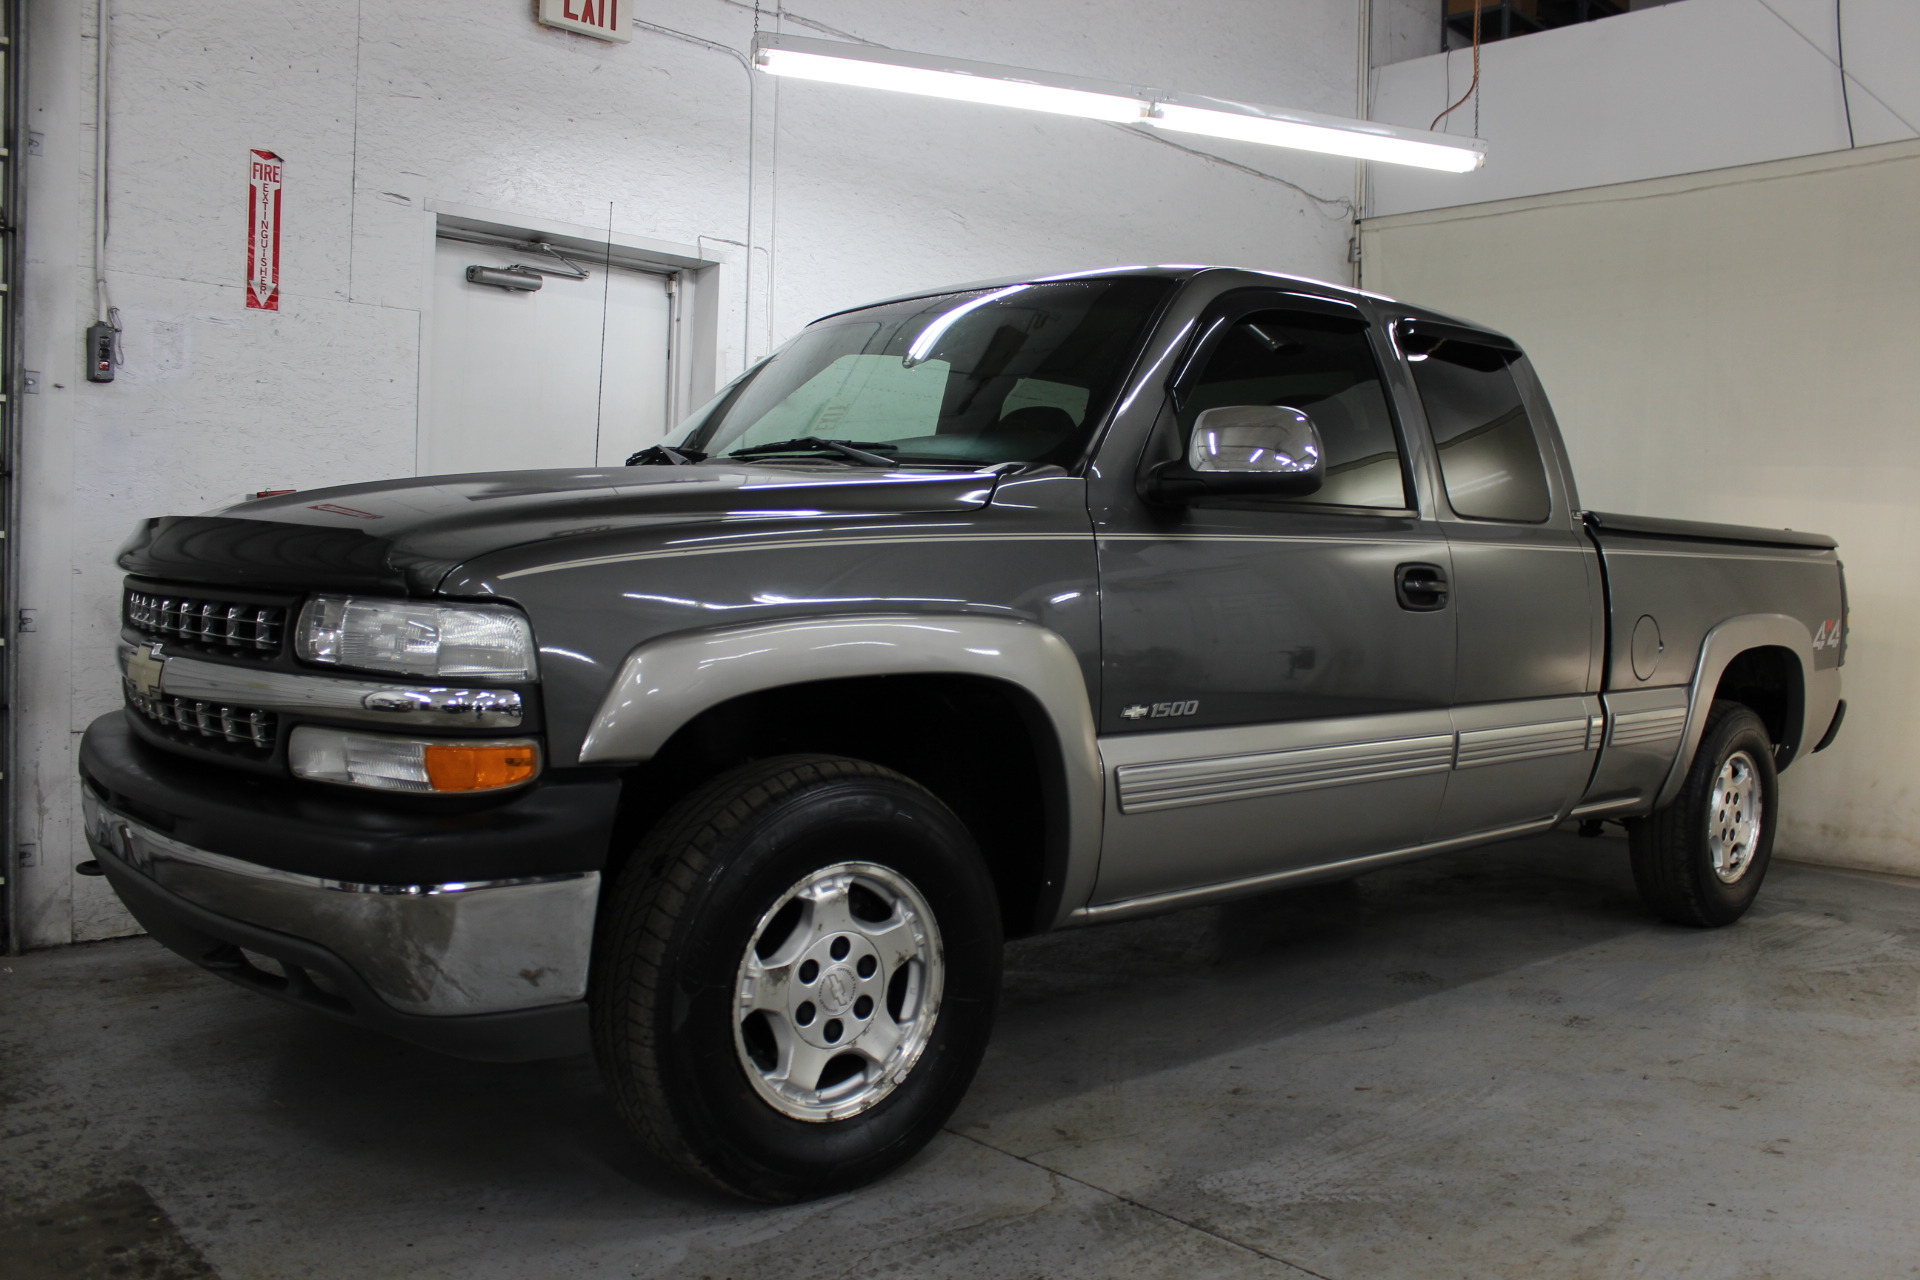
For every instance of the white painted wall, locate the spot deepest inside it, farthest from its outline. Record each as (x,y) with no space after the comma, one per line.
(1680,88)
(1734,346)
(380,108)
(1404,30)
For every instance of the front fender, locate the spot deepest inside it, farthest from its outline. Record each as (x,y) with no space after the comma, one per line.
(664,683)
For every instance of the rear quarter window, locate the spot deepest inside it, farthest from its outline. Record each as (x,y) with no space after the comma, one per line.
(1489,456)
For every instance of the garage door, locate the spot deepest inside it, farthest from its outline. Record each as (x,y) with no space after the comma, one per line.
(572,374)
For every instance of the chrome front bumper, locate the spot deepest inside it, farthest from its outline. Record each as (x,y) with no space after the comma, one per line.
(483,947)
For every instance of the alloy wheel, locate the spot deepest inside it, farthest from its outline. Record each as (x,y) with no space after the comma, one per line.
(838,992)
(1734,817)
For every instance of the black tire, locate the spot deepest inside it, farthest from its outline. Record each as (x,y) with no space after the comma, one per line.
(1673,849)
(701,889)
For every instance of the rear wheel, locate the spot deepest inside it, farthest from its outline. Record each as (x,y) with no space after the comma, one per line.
(1700,860)
(797,977)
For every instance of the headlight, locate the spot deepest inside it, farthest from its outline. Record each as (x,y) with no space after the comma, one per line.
(417,638)
(389,763)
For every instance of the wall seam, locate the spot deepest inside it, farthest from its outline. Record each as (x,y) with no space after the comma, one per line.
(353,145)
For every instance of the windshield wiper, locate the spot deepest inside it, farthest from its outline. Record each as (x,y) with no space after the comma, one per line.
(661,455)
(814,444)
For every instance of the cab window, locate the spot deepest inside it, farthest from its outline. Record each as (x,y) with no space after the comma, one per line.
(1322,366)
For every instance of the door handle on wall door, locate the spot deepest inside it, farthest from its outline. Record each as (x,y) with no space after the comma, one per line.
(1421,588)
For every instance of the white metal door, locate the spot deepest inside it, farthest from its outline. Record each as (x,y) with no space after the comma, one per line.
(571,375)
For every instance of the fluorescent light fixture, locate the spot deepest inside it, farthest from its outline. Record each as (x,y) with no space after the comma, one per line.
(871,67)
(1002,90)
(1330,135)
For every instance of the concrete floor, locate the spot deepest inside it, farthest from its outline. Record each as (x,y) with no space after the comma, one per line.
(1490,1065)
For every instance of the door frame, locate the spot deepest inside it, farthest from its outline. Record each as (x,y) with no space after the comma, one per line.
(1521,742)
(1313,760)
(696,275)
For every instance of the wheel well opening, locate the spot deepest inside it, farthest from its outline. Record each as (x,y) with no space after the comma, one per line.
(982,746)
(1767,680)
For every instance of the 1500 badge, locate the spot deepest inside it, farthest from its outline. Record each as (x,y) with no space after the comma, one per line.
(1159,710)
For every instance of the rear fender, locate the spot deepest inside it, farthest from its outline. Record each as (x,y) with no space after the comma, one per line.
(1819,691)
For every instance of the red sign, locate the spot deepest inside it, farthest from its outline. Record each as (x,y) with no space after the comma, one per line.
(263,230)
(605,19)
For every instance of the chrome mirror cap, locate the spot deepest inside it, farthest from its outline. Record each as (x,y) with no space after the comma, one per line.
(1268,449)
(1257,439)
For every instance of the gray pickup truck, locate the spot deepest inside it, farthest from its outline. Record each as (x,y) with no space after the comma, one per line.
(964,616)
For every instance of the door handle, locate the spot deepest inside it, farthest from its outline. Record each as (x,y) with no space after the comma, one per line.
(1421,588)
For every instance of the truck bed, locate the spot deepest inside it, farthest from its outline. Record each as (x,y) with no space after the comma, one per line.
(1682,595)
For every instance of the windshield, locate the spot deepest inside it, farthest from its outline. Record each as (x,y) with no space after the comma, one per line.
(1019,374)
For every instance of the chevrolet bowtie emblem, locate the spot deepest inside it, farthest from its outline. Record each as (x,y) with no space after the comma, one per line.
(1135,712)
(144,671)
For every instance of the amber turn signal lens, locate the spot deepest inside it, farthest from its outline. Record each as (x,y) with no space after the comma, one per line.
(456,768)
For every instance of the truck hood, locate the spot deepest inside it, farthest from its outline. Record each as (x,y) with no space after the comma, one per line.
(407,535)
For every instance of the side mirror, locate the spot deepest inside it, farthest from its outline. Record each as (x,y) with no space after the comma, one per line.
(1246,449)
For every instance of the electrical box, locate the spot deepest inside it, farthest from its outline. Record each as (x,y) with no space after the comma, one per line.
(100,337)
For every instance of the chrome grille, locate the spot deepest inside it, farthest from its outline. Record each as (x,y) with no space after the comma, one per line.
(221,625)
(242,726)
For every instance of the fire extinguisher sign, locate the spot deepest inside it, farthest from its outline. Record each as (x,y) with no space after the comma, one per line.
(263,230)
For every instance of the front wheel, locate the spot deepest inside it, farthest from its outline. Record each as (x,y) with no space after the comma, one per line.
(797,977)
(1700,860)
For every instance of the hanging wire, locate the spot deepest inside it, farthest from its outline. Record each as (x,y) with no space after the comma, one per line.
(1851,79)
(1473,88)
(1840,47)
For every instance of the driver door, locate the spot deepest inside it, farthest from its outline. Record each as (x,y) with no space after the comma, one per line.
(1276,680)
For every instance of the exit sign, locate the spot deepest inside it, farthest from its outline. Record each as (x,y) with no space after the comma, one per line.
(605,19)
